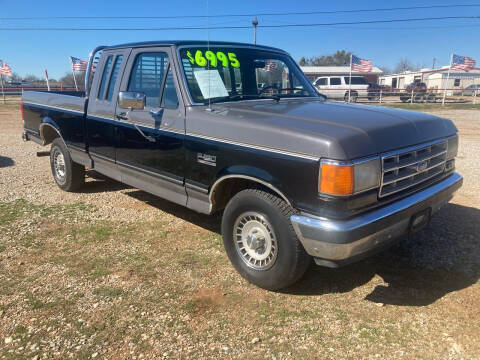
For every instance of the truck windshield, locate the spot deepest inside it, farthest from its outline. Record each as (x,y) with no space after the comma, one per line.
(220,74)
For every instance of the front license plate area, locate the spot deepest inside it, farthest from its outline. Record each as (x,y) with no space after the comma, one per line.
(419,220)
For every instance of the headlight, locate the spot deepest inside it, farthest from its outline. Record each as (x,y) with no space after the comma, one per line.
(339,178)
(452,147)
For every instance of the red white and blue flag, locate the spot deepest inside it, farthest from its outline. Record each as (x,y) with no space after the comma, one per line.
(78,64)
(462,63)
(5,69)
(361,65)
(271,66)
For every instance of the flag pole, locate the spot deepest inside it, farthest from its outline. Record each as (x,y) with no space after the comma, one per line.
(350,78)
(3,93)
(448,78)
(46,77)
(73,71)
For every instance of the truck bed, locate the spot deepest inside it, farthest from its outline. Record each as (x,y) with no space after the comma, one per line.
(63,110)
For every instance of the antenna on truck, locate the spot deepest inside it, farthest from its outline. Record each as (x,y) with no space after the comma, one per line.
(208,62)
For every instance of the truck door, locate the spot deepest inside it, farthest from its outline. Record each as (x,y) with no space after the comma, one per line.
(149,142)
(100,120)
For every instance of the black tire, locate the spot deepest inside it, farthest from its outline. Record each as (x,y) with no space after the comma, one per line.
(290,260)
(70,176)
(353,97)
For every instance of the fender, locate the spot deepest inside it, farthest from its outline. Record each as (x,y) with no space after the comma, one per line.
(251,173)
(47,129)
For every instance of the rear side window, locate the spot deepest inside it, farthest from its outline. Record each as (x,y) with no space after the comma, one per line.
(113,77)
(335,81)
(147,76)
(106,70)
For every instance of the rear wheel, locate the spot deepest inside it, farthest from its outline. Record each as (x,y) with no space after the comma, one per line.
(353,97)
(68,175)
(260,241)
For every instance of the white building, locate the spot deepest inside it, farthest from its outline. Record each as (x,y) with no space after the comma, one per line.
(433,78)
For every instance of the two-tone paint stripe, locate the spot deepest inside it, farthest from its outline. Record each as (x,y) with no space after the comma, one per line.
(190,134)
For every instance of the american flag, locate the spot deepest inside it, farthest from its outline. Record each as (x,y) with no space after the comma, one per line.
(462,63)
(78,64)
(5,69)
(361,65)
(271,66)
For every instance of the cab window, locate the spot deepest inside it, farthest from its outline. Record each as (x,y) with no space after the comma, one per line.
(106,71)
(147,76)
(169,97)
(113,77)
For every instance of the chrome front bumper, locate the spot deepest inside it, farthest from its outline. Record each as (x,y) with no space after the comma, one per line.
(336,242)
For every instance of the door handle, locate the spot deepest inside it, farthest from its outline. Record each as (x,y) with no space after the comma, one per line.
(122,116)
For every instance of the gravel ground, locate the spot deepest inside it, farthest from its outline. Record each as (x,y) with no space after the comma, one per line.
(113,272)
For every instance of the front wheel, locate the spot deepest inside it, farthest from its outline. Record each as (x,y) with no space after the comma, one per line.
(260,241)
(68,175)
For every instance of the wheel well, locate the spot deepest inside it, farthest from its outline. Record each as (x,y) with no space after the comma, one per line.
(48,133)
(224,190)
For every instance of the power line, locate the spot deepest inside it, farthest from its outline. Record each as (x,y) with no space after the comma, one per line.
(239,26)
(241,15)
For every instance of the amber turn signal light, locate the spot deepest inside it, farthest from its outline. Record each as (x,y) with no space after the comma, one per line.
(336,179)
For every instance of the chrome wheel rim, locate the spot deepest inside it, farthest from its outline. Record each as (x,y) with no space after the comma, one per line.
(59,166)
(255,241)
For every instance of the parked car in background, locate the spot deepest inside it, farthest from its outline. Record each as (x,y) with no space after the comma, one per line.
(336,87)
(415,89)
(471,90)
(374,90)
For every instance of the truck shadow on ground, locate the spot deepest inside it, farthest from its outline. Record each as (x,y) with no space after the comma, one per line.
(101,183)
(443,258)
(6,162)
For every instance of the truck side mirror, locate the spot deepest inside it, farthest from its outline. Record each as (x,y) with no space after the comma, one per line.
(131,100)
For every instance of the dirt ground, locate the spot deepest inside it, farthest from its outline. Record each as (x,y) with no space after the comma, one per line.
(115,273)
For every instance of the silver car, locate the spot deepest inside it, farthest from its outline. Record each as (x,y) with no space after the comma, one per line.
(471,90)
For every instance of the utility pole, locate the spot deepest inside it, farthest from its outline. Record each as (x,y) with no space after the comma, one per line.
(433,65)
(255,23)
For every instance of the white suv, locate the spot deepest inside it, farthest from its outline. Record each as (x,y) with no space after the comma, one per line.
(336,87)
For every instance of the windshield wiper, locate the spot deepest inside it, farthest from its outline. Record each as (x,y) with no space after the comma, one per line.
(241,97)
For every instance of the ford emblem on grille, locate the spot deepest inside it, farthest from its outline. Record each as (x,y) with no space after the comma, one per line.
(420,166)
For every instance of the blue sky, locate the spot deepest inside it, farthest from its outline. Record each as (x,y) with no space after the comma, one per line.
(30,52)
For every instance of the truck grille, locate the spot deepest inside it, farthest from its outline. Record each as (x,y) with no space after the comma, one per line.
(407,168)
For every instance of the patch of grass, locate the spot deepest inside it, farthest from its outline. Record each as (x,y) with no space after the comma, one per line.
(11,211)
(108,292)
(34,303)
(20,330)
(97,232)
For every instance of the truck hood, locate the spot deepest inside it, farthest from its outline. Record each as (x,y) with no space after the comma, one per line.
(323,129)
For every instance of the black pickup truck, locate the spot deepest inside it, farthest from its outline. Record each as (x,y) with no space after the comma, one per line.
(238,129)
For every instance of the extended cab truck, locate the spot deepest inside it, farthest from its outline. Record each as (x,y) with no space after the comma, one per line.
(238,128)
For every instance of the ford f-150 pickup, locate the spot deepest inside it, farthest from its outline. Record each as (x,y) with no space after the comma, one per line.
(238,129)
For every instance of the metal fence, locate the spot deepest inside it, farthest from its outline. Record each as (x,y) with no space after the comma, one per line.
(378,96)
(381,95)
(13,94)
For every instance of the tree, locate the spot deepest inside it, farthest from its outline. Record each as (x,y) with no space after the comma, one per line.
(404,65)
(31,78)
(339,58)
(15,77)
(68,81)
(386,70)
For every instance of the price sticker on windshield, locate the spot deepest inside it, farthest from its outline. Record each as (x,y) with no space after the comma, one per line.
(213,59)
